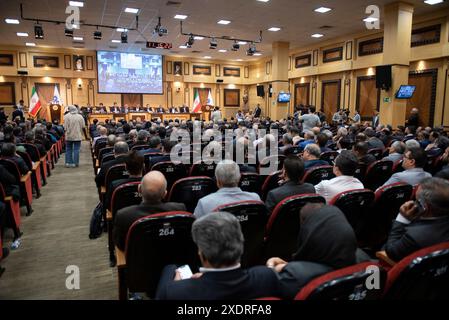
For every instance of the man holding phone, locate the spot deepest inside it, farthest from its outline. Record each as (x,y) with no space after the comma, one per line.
(421,223)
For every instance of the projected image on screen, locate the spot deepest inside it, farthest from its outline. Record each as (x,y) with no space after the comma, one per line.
(120,72)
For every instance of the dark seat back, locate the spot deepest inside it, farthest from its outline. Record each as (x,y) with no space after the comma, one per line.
(115,172)
(140,147)
(377,174)
(32,150)
(271,182)
(423,275)
(265,164)
(190,190)
(104,151)
(100,144)
(147,157)
(356,205)
(360,172)
(253,217)
(378,153)
(397,167)
(154,242)
(250,182)
(345,284)
(201,168)
(27,158)
(329,156)
(317,174)
(295,150)
(283,225)
(125,195)
(171,170)
(106,157)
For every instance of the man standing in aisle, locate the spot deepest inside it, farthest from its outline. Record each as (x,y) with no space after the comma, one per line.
(74,128)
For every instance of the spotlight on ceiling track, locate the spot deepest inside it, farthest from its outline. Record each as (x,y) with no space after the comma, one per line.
(190,41)
(38,31)
(160,30)
(97,35)
(251,50)
(213,44)
(124,37)
(235,46)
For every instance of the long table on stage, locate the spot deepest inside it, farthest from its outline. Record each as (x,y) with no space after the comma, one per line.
(141,116)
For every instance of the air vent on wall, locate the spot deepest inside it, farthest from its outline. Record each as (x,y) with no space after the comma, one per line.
(113,47)
(139,42)
(325,27)
(196,51)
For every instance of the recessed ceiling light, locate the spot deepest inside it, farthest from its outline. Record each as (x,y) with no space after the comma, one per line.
(22,34)
(322,9)
(207,57)
(182,47)
(78,38)
(224,22)
(263,0)
(181,16)
(274,29)
(370,19)
(198,38)
(131,10)
(317,35)
(116,41)
(242,43)
(222,50)
(12,21)
(432,2)
(30,44)
(257,54)
(239,60)
(122,30)
(76,3)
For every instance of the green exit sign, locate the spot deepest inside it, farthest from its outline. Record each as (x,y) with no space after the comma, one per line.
(387,99)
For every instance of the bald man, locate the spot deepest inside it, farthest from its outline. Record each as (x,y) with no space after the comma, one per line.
(153,189)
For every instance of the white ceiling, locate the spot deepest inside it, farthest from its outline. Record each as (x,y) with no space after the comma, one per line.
(296,18)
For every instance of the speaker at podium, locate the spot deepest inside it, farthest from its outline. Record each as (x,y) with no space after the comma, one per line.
(56,112)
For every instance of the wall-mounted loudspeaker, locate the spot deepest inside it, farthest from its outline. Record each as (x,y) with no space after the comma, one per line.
(260,91)
(219,80)
(22,73)
(383,77)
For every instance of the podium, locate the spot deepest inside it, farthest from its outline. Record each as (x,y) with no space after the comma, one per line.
(55,112)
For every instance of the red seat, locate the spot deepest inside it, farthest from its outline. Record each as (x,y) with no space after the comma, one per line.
(317,174)
(397,167)
(115,172)
(203,169)
(35,172)
(329,156)
(349,283)
(423,275)
(171,170)
(147,157)
(271,182)
(283,226)
(190,190)
(152,243)
(388,200)
(356,205)
(12,209)
(253,217)
(377,174)
(250,182)
(378,153)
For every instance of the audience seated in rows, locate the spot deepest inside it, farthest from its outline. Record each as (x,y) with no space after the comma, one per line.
(311,156)
(395,151)
(360,149)
(220,241)
(121,150)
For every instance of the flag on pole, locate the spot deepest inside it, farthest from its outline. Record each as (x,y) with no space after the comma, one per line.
(197,103)
(210,101)
(35,104)
(56,96)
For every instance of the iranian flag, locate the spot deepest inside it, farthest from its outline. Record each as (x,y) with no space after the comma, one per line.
(197,103)
(35,104)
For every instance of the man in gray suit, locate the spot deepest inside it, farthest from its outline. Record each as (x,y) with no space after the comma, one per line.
(396,151)
(413,163)
(227,175)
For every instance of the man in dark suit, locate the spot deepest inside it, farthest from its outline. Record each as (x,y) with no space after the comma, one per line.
(220,245)
(376,119)
(101,108)
(149,109)
(184,109)
(172,110)
(153,190)
(292,173)
(121,149)
(3,116)
(413,119)
(9,152)
(115,108)
(167,145)
(257,111)
(421,223)
(160,110)
(17,113)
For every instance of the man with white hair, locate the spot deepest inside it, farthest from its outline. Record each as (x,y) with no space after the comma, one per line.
(74,130)
(227,175)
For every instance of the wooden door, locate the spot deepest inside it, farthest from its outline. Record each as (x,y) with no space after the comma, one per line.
(330,98)
(302,92)
(368,97)
(424,96)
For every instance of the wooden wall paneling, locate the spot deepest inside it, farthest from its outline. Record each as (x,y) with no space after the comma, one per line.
(425,95)
(302,93)
(89,63)
(231,97)
(367,97)
(330,97)
(7,93)
(23,60)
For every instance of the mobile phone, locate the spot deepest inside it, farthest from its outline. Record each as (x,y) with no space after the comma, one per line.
(185,272)
(419,204)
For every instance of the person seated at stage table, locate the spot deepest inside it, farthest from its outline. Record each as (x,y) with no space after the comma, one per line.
(101,108)
(149,109)
(132,109)
(124,109)
(160,109)
(184,109)
(115,108)
(173,110)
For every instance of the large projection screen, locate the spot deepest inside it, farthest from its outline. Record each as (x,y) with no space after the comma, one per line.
(120,72)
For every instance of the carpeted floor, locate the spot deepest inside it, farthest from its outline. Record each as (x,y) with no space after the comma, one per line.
(56,236)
